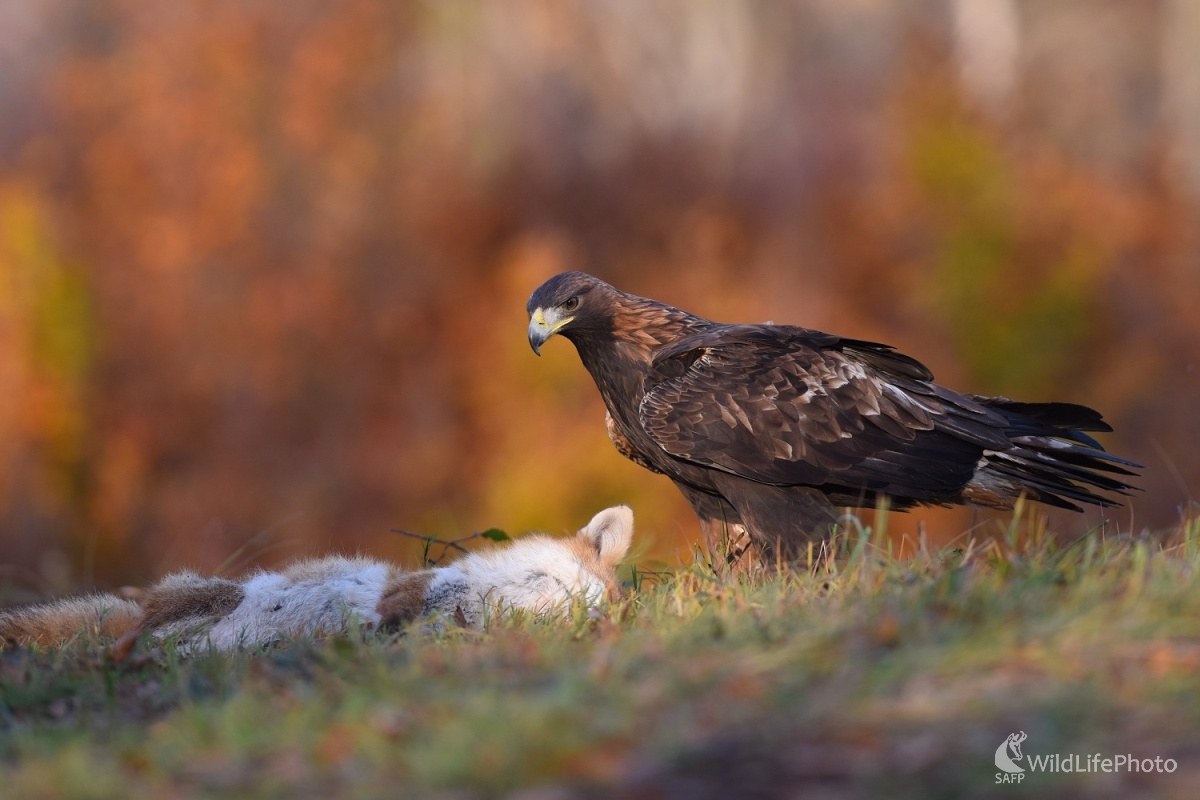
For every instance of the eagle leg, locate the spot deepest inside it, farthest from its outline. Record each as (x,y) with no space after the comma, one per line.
(780,520)
(725,536)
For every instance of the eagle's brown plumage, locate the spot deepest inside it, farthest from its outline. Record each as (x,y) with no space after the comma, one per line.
(771,427)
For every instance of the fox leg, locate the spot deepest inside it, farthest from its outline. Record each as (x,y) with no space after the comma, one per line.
(182,600)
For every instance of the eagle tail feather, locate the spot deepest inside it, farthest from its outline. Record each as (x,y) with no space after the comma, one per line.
(1049,457)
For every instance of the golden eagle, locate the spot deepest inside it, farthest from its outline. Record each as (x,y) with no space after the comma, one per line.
(771,427)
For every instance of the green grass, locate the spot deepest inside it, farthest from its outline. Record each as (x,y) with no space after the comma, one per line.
(872,676)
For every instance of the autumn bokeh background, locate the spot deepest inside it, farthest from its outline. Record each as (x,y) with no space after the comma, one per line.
(263,265)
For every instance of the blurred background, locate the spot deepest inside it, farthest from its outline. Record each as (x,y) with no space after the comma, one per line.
(263,265)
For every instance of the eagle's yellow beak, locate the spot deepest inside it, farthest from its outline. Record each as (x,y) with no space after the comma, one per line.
(542,325)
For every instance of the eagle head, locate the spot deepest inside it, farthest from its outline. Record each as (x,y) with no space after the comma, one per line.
(568,300)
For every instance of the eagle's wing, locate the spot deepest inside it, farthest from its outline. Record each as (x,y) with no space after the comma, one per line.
(787,406)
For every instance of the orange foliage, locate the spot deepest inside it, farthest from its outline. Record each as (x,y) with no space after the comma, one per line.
(263,266)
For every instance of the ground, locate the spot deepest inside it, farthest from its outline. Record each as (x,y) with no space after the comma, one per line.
(870,675)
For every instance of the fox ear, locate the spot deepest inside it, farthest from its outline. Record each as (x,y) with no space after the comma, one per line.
(610,532)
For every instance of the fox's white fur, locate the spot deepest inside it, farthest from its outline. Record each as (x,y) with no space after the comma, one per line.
(536,573)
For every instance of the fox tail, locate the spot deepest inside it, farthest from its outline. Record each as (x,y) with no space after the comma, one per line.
(53,623)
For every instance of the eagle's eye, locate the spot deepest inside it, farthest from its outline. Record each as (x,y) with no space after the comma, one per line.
(571,304)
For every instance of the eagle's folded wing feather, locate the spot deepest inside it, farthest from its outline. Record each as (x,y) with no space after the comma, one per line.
(789,406)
